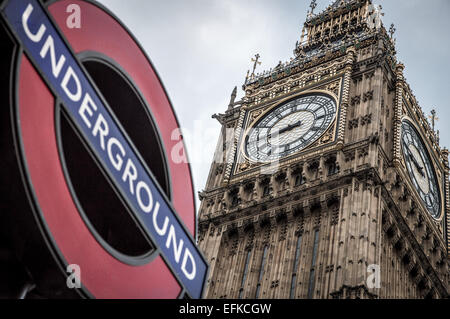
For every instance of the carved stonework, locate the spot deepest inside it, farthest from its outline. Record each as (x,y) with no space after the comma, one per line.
(356,100)
(246,166)
(353,123)
(367,119)
(255,114)
(332,87)
(219,169)
(345,200)
(368,96)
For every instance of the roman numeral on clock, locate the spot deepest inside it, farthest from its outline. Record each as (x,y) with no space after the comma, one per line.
(320,117)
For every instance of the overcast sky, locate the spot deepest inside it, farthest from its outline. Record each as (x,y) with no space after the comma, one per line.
(202,49)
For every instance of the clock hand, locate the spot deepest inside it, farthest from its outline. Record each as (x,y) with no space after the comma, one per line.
(416,163)
(290,127)
(284,130)
(420,168)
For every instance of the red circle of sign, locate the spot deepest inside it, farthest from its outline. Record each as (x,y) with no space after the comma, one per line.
(102,275)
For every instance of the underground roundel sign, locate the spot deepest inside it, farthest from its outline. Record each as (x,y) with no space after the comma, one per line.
(95,129)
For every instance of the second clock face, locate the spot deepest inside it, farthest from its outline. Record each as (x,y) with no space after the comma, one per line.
(420,169)
(290,127)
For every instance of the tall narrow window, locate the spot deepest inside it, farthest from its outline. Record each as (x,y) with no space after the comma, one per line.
(299,180)
(332,168)
(261,272)
(294,271)
(312,274)
(244,275)
(234,201)
(266,190)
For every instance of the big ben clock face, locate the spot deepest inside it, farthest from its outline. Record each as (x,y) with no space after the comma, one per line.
(420,169)
(290,127)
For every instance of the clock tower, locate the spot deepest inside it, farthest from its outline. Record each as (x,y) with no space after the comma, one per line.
(328,181)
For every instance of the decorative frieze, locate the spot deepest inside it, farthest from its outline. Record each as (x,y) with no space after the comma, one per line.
(366,119)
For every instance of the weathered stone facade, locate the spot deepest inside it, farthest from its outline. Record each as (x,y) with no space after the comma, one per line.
(312,227)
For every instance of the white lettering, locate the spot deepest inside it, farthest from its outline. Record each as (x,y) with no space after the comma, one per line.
(49,45)
(130,173)
(146,208)
(101,127)
(87,100)
(159,231)
(171,236)
(178,154)
(191,275)
(374,280)
(33,37)
(74,279)
(116,160)
(71,74)
(74,19)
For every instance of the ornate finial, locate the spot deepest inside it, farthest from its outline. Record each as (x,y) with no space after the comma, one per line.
(246,77)
(392,30)
(313,5)
(433,118)
(374,15)
(256,62)
(303,35)
(233,98)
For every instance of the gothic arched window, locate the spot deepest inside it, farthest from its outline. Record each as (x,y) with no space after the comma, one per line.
(294,270)
(311,285)
(234,201)
(299,180)
(244,275)
(266,190)
(261,271)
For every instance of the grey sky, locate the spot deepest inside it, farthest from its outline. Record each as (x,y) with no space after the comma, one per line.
(202,49)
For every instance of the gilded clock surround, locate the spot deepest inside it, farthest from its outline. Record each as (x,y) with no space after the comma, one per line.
(328,136)
(332,88)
